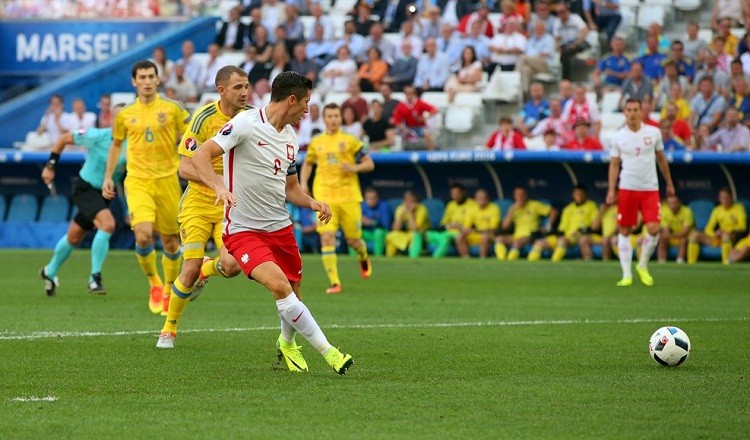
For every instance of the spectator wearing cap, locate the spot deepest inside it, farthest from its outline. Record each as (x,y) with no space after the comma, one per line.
(707,106)
(612,70)
(671,144)
(539,54)
(606,16)
(652,62)
(637,85)
(582,139)
(505,137)
(433,68)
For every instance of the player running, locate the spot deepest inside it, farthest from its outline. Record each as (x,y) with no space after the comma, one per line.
(93,209)
(339,157)
(152,126)
(200,218)
(260,176)
(639,149)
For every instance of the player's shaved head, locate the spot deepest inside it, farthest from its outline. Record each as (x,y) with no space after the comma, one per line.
(226,72)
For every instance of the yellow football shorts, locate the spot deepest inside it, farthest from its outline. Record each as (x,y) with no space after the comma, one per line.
(154,201)
(199,221)
(348,217)
(742,244)
(474,238)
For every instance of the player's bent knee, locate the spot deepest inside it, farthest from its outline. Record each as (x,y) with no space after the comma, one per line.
(230,267)
(190,270)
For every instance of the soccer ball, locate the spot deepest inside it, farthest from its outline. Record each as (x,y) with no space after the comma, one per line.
(669,346)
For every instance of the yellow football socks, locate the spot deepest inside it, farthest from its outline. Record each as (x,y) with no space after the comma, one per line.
(330,264)
(559,253)
(362,251)
(147,260)
(178,300)
(501,251)
(693,251)
(170,263)
(211,268)
(513,254)
(535,254)
(726,248)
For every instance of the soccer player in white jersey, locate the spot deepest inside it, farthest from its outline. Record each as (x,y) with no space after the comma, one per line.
(260,174)
(638,149)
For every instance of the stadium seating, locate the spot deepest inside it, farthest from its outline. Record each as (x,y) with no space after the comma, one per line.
(459,118)
(503,87)
(122,98)
(504,205)
(233,58)
(207,97)
(34,141)
(610,101)
(435,207)
(687,5)
(648,14)
(54,209)
(23,208)
(394,203)
(438,99)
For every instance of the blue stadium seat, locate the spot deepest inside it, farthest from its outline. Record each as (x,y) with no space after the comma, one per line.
(504,205)
(394,202)
(3,208)
(701,212)
(435,207)
(23,207)
(54,209)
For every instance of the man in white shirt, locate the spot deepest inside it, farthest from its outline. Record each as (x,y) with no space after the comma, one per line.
(310,125)
(572,38)
(52,121)
(260,176)
(433,68)
(79,119)
(193,68)
(506,47)
(337,74)
(639,149)
(215,62)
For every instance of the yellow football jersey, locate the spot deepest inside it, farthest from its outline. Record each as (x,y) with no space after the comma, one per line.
(676,222)
(328,152)
(575,217)
(204,124)
(152,131)
(421,216)
(526,219)
(483,219)
(455,213)
(733,219)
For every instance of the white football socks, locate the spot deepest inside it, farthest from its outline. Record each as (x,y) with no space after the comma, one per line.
(647,248)
(296,314)
(287,331)
(626,255)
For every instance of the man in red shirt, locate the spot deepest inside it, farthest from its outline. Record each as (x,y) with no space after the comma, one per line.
(583,141)
(680,128)
(647,107)
(412,115)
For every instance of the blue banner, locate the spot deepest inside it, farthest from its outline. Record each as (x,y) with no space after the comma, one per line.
(50,47)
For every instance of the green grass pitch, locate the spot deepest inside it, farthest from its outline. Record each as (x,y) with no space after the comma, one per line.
(443,349)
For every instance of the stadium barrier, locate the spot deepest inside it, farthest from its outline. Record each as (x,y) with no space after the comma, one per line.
(547,175)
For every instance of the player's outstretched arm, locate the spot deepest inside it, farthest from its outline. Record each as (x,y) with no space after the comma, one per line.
(205,172)
(187,170)
(108,186)
(663,164)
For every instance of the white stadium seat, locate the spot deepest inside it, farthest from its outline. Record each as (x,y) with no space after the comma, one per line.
(503,86)
(610,101)
(459,119)
(122,98)
(438,99)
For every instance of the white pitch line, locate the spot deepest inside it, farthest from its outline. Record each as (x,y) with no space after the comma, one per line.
(9,336)
(33,399)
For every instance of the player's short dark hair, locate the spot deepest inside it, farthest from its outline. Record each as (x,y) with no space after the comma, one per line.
(331,106)
(223,75)
(677,43)
(143,65)
(580,187)
(725,189)
(506,120)
(706,78)
(633,100)
(290,83)
(57,96)
(459,186)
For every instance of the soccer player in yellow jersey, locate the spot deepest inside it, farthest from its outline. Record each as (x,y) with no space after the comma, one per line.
(727,222)
(524,216)
(152,126)
(339,158)
(575,223)
(453,221)
(200,218)
(410,222)
(676,224)
(479,226)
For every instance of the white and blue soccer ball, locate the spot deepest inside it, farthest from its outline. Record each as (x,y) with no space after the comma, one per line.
(669,346)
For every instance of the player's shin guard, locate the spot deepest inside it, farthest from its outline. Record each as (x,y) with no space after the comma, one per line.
(171,263)
(726,248)
(693,251)
(178,300)
(559,253)
(146,257)
(330,264)
(648,246)
(63,248)
(294,312)
(625,249)
(535,254)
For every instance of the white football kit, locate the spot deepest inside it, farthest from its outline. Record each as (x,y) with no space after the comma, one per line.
(257,161)
(637,153)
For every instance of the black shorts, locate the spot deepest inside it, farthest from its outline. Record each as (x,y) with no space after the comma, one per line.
(89,201)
